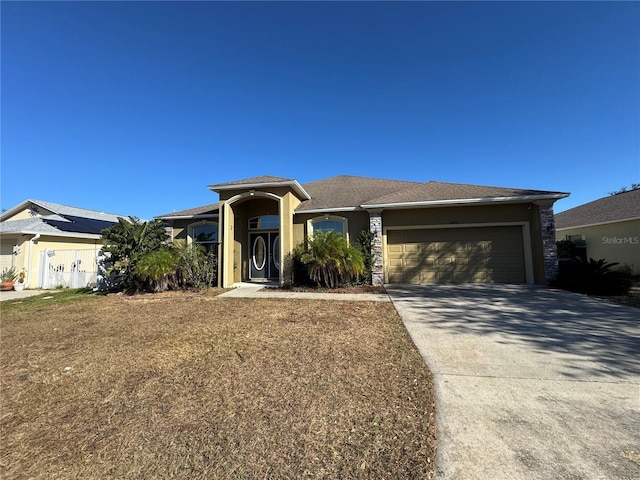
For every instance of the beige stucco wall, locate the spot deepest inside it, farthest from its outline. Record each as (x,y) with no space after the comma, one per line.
(235,216)
(287,234)
(478,214)
(236,208)
(615,242)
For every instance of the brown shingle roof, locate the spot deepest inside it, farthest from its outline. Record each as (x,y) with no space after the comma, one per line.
(205,209)
(443,191)
(346,191)
(623,206)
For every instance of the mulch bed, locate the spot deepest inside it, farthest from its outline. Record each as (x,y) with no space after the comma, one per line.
(351,289)
(632,298)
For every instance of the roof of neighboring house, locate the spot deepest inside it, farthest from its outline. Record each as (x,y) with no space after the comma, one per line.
(48,218)
(614,208)
(27,225)
(205,210)
(60,209)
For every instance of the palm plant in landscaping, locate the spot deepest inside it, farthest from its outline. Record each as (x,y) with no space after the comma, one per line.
(157,268)
(195,267)
(594,277)
(330,259)
(128,241)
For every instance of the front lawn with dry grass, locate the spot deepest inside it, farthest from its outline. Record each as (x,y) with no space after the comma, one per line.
(189,385)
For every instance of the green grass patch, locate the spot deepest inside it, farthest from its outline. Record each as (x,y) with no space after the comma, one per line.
(49,298)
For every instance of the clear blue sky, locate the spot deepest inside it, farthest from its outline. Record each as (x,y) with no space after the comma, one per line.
(135,107)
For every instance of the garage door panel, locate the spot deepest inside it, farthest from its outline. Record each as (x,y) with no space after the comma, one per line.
(428,277)
(411,248)
(395,262)
(411,262)
(456,255)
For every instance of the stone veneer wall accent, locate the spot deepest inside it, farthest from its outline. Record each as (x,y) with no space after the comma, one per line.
(375,226)
(549,250)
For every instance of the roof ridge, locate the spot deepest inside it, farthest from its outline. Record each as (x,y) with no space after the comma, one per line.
(362,177)
(46,204)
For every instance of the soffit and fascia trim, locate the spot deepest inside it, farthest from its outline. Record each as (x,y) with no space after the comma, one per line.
(91,236)
(247,186)
(467,201)
(188,217)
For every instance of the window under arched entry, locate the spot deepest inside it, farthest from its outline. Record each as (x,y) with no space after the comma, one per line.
(264,222)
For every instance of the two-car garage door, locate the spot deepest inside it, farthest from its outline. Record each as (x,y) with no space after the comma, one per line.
(492,254)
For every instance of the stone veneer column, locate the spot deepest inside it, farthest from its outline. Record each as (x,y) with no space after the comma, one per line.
(375,226)
(549,250)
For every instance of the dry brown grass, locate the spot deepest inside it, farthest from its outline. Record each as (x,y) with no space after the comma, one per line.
(195,386)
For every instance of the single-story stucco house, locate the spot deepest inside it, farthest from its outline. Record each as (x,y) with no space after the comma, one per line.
(53,244)
(606,228)
(431,232)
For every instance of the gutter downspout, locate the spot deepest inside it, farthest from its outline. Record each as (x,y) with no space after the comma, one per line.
(35,238)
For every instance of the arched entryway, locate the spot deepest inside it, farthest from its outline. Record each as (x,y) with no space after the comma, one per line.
(253,221)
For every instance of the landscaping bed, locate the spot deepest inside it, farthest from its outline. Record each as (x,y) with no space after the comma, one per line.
(190,385)
(349,289)
(631,298)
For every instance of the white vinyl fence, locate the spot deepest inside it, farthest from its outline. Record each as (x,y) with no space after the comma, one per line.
(67,268)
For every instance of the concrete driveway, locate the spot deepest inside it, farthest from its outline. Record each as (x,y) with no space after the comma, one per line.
(531,383)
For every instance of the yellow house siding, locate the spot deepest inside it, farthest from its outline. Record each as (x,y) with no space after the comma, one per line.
(615,242)
(26,213)
(28,256)
(7,258)
(19,259)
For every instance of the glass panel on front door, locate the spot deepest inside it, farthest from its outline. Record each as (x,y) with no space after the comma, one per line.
(259,253)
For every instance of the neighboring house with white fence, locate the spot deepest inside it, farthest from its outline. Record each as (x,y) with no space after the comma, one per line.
(54,245)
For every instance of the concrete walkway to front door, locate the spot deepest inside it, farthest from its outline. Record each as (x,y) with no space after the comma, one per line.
(260,290)
(531,383)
